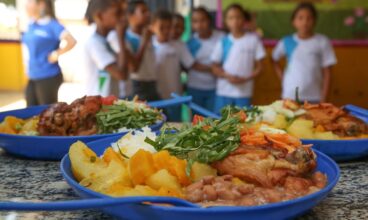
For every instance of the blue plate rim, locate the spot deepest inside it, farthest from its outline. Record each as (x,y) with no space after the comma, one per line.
(72,182)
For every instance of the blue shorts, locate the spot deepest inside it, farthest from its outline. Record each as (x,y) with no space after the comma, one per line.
(204,98)
(222,101)
(173,113)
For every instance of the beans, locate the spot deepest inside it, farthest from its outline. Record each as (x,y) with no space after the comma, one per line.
(210,193)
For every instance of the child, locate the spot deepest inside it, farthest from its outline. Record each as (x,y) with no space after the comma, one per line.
(202,83)
(169,57)
(104,67)
(178,26)
(309,55)
(125,86)
(138,36)
(236,60)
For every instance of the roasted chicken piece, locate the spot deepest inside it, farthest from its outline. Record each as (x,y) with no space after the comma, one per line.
(78,118)
(335,119)
(268,162)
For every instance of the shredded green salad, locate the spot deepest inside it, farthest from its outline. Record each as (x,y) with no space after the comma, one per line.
(208,141)
(123,115)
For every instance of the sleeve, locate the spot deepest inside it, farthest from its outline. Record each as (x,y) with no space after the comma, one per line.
(57,29)
(100,54)
(260,50)
(279,51)
(186,59)
(216,56)
(112,39)
(328,54)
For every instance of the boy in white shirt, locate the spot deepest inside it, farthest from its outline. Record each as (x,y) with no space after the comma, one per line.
(104,67)
(236,61)
(169,58)
(309,55)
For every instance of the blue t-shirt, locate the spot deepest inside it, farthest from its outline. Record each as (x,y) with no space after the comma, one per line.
(41,39)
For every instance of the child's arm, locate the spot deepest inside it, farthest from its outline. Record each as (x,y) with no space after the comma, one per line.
(118,70)
(202,67)
(217,70)
(278,69)
(326,83)
(239,80)
(138,57)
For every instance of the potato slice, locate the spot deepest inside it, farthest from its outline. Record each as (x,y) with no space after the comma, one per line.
(30,126)
(141,166)
(163,178)
(280,121)
(326,136)
(200,170)
(301,128)
(85,163)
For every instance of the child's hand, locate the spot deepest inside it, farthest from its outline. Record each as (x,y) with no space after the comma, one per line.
(147,34)
(121,26)
(53,57)
(236,79)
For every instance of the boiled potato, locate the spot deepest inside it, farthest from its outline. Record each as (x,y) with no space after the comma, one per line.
(280,121)
(200,170)
(30,127)
(301,128)
(163,178)
(85,163)
(141,167)
(326,136)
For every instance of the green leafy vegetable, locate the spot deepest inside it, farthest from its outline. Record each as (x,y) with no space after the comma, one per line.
(252,112)
(125,114)
(208,141)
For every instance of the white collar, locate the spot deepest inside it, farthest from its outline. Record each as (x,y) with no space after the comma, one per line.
(42,21)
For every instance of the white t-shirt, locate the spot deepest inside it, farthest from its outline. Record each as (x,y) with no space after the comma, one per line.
(201,50)
(306,58)
(169,58)
(146,71)
(98,55)
(238,57)
(125,86)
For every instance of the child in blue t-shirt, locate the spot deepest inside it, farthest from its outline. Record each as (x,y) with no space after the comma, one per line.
(237,60)
(42,49)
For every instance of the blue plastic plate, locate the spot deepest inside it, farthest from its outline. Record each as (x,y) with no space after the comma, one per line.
(281,210)
(341,150)
(46,147)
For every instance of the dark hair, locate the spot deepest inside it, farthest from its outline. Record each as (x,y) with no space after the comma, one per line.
(204,11)
(133,4)
(95,6)
(49,7)
(247,16)
(305,6)
(162,15)
(179,17)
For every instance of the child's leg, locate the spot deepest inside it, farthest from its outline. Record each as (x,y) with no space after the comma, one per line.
(222,101)
(204,98)
(210,100)
(146,91)
(173,113)
(242,102)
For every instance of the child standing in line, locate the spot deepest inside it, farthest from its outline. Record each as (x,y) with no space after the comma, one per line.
(169,58)
(309,55)
(104,67)
(139,38)
(125,86)
(202,83)
(237,60)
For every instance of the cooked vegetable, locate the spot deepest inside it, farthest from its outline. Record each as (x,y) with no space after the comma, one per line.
(163,178)
(125,115)
(301,128)
(141,167)
(208,141)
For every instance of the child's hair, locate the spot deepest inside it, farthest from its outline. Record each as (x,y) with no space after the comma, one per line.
(203,10)
(247,16)
(162,15)
(305,6)
(95,6)
(49,7)
(178,17)
(133,4)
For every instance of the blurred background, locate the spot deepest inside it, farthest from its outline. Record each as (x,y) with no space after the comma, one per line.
(345,22)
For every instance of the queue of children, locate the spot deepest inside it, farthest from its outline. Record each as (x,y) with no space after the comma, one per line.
(133,53)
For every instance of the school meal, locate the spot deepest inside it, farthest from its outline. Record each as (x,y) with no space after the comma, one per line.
(307,121)
(211,163)
(85,116)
